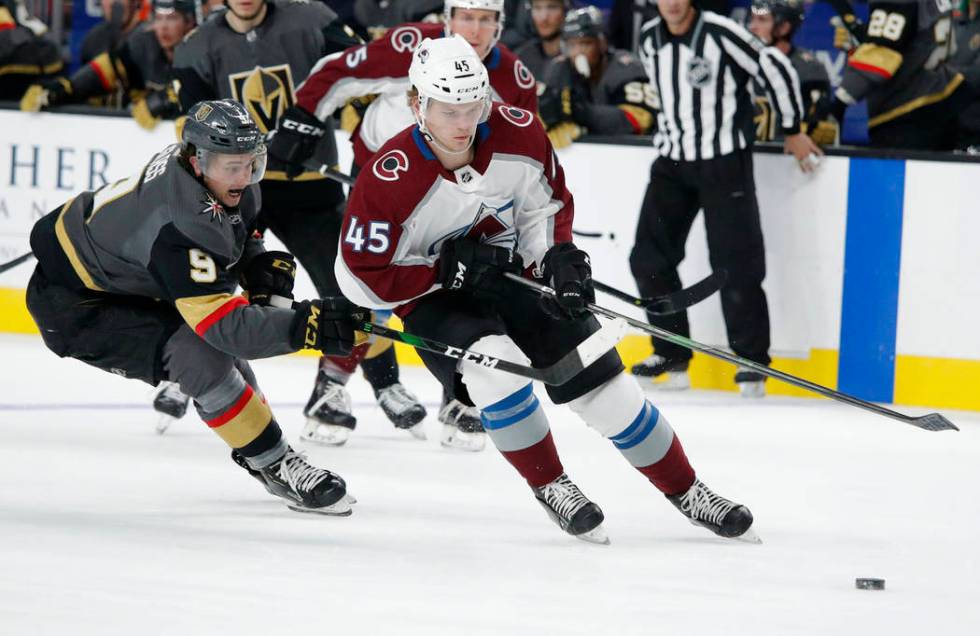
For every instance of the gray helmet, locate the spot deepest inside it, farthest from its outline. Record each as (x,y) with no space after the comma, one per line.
(583,23)
(170,6)
(223,127)
(789,11)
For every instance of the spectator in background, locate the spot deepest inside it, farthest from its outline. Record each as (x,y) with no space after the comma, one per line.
(140,68)
(548,17)
(594,88)
(27,53)
(967,58)
(120,17)
(377,16)
(775,22)
(518,26)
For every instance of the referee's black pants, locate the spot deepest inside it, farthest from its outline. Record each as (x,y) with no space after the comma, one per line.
(725,188)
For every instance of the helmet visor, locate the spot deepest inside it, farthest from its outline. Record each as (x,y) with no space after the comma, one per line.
(229,168)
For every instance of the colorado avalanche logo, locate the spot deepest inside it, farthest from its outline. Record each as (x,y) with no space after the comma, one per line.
(390,164)
(405,39)
(523,75)
(494,226)
(517,116)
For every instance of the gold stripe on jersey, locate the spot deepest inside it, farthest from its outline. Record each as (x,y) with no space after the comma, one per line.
(877,56)
(195,309)
(919,102)
(69,249)
(280,175)
(642,116)
(244,421)
(105,70)
(31,69)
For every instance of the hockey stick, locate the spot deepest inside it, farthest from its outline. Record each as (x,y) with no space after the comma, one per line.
(673,302)
(17,261)
(929,422)
(849,19)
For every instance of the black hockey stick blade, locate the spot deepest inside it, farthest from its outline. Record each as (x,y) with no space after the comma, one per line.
(674,302)
(336,175)
(17,261)
(930,422)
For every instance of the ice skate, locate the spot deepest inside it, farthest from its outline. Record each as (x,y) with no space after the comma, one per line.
(725,518)
(667,375)
(572,511)
(328,413)
(751,384)
(305,488)
(462,428)
(170,404)
(402,408)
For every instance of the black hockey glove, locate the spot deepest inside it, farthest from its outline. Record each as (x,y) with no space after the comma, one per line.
(567,270)
(477,267)
(295,139)
(327,325)
(269,274)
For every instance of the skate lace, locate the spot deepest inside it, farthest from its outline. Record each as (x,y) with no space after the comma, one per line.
(334,396)
(702,504)
(454,411)
(300,474)
(396,398)
(564,497)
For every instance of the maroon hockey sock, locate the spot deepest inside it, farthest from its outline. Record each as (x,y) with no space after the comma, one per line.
(673,474)
(538,464)
(344,364)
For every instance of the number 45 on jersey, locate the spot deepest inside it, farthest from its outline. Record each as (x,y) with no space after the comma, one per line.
(377,241)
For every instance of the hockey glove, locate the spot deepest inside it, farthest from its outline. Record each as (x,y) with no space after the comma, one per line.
(465,264)
(47,93)
(327,325)
(567,270)
(295,139)
(269,274)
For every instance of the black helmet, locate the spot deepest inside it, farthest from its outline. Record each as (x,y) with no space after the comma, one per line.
(788,11)
(169,6)
(223,127)
(583,23)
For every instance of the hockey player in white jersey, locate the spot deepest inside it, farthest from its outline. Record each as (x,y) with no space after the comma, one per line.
(435,220)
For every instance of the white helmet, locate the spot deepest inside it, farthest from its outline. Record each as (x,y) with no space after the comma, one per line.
(487,5)
(448,70)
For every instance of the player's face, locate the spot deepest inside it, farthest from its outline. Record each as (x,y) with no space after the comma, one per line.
(760,24)
(453,125)
(674,12)
(548,16)
(170,28)
(477,26)
(227,176)
(591,48)
(245,9)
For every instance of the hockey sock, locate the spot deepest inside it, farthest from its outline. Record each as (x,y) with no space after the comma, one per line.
(519,429)
(340,368)
(650,445)
(381,369)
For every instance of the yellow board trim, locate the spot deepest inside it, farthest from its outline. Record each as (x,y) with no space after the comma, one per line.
(14,317)
(939,382)
(919,102)
(69,249)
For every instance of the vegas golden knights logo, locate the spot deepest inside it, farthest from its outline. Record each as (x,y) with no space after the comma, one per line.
(265,92)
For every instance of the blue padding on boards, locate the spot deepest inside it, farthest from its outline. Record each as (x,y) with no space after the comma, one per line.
(872,260)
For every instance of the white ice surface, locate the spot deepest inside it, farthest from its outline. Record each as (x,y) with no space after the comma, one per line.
(107,528)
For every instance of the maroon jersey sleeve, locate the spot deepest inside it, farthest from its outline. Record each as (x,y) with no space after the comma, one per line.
(511,79)
(378,67)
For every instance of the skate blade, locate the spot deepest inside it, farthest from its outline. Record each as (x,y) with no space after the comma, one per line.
(339,509)
(454,439)
(417,431)
(752,390)
(325,434)
(595,535)
(749,536)
(676,381)
(349,498)
(163,423)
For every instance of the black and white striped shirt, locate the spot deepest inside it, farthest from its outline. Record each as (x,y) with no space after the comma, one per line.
(703,78)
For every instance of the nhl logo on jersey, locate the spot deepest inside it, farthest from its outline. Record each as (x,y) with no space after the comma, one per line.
(698,72)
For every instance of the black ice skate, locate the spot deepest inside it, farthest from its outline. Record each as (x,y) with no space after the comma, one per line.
(170,403)
(725,518)
(402,408)
(462,428)
(751,384)
(675,372)
(305,488)
(572,511)
(328,413)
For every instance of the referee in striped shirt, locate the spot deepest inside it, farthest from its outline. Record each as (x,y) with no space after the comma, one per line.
(702,65)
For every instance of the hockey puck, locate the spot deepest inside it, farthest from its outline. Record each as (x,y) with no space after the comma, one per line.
(869,584)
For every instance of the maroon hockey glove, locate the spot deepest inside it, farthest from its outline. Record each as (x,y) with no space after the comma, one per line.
(567,270)
(296,139)
(269,274)
(465,264)
(327,325)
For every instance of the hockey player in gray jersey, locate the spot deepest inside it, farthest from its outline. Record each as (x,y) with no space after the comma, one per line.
(901,68)
(138,278)
(775,22)
(593,88)
(257,53)
(139,69)
(548,16)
